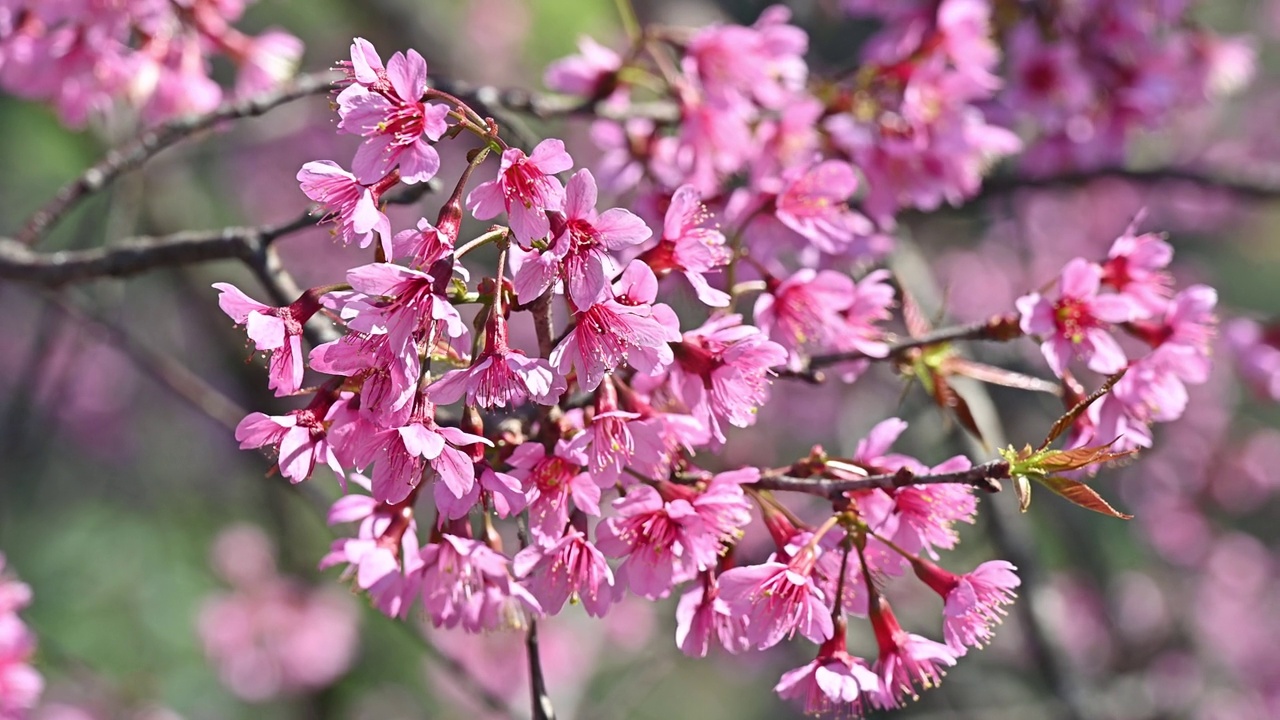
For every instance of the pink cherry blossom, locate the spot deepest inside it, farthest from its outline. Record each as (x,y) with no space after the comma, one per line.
(465,583)
(615,330)
(1257,351)
(905,659)
(813,203)
(20,684)
(526,188)
(778,600)
(669,534)
(571,567)
(352,205)
(586,73)
(1135,267)
(272,58)
(763,63)
(499,375)
(550,481)
(702,614)
(973,601)
(383,556)
(721,372)
(277,331)
(300,437)
(1074,324)
(804,313)
(389,112)
(835,682)
(688,247)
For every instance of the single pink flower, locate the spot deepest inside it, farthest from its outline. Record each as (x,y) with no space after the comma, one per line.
(277,331)
(1135,267)
(465,582)
(550,481)
(272,58)
(389,113)
(973,603)
(300,437)
(670,534)
(1074,324)
(499,375)
(778,600)
(688,247)
(383,556)
(721,372)
(835,682)
(526,188)
(569,567)
(702,614)
(804,313)
(354,206)
(583,74)
(905,659)
(814,203)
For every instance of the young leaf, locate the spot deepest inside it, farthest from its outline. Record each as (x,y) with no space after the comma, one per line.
(1082,495)
(1070,416)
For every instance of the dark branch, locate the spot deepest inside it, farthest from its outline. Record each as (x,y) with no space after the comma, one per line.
(146,145)
(986,476)
(999,328)
(135,255)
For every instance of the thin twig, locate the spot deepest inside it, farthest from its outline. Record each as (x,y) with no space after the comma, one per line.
(986,476)
(1254,186)
(146,145)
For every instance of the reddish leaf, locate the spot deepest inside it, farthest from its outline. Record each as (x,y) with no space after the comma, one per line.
(1060,460)
(948,399)
(1082,495)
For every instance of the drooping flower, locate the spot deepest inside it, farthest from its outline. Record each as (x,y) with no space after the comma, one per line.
(905,659)
(571,567)
(612,331)
(383,556)
(499,375)
(550,481)
(778,600)
(804,313)
(1135,267)
(526,188)
(973,602)
(688,247)
(671,533)
(1074,324)
(702,614)
(300,437)
(467,583)
(721,372)
(835,682)
(277,331)
(351,204)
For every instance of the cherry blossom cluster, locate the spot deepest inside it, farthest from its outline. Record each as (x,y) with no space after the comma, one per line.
(1081,79)
(272,636)
(84,57)
(629,397)
(1173,333)
(20,684)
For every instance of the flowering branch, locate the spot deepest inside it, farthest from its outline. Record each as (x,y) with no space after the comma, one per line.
(145,146)
(986,477)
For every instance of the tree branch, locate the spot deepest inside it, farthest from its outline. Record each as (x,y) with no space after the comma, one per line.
(136,152)
(135,255)
(986,477)
(1000,328)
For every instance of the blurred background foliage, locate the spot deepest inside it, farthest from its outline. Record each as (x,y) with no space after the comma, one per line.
(112,488)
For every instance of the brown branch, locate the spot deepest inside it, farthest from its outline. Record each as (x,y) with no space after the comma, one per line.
(135,255)
(150,142)
(1000,328)
(986,476)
